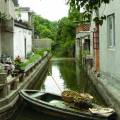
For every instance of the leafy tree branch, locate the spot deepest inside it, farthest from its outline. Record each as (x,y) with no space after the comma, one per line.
(89,6)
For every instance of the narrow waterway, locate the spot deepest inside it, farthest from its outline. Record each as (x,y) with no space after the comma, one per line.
(62,74)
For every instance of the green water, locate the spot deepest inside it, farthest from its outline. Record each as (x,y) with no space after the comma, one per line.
(61,75)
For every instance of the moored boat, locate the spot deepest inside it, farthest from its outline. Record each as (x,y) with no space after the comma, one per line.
(54,105)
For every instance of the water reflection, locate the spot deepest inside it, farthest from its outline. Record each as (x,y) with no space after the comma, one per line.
(61,75)
(27,113)
(68,75)
(54,82)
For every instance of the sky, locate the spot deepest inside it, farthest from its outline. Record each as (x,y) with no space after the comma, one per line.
(50,9)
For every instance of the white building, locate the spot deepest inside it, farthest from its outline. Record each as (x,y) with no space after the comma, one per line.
(24,14)
(15,37)
(110,40)
(108,50)
(17,41)
(22,40)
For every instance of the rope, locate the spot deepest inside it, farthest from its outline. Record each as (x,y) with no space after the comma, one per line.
(55,82)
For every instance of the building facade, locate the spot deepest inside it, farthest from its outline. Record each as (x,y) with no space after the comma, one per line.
(7,14)
(106,51)
(15,36)
(110,41)
(82,39)
(22,40)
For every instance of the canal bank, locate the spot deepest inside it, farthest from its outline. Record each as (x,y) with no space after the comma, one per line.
(10,86)
(67,74)
(107,87)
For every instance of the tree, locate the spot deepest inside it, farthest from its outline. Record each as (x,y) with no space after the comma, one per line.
(65,37)
(89,6)
(66,29)
(47,33)
(44,28)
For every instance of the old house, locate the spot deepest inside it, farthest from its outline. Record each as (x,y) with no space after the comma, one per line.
(16,35)
(109,41)
(24,14)
(22,40)
(106,52)
(82,38)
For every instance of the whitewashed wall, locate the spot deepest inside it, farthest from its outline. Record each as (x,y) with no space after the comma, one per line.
(110,58)
(20,34)
(24,16)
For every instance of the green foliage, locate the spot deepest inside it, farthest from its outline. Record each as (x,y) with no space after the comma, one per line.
(21,65)
(65,37)
(29,55)
(41,51)
(85,52)
(89,6)
(29,61)
(2,17)
(47,33)
(44,28)
(66,30)
(76,16)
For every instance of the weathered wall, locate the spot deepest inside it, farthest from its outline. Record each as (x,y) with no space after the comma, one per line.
(42,43)
(110,57)
(7,43)
(20,35)
(8,8)
(0,39)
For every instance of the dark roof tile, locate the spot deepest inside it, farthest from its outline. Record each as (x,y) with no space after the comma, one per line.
(15,2)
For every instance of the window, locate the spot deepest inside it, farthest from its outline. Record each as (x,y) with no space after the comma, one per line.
(111,30)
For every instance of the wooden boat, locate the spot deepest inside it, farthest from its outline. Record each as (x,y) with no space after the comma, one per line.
(54,105)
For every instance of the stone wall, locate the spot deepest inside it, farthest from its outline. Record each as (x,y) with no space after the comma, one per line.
(11,87)
(107,91)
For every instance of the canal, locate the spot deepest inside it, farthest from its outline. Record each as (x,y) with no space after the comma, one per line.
(61,75)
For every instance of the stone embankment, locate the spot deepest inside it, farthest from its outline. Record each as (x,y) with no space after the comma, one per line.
(107,87)
(10,86)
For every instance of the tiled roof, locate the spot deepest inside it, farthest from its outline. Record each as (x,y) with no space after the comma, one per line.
(15,2)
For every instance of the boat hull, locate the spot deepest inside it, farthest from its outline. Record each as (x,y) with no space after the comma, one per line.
(64,113)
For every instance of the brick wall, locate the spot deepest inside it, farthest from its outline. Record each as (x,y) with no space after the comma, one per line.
(83,27)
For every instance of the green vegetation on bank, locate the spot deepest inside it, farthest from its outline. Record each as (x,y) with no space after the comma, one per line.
(37,54)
